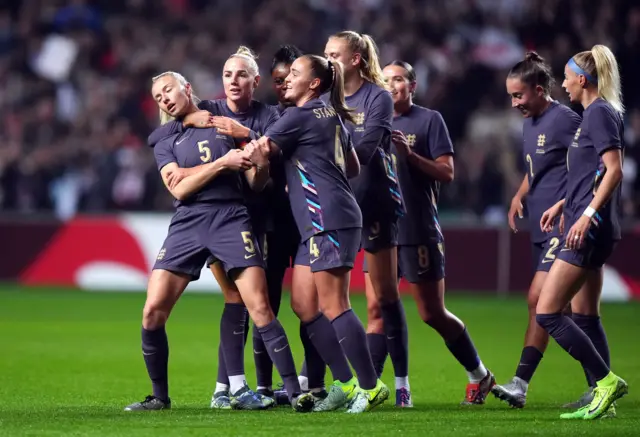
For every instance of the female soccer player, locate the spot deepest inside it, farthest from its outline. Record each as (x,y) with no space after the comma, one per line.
(319,158)
(280,68)
(285,239)
(424,154)
(591,212)
(243,118)
(547,135)
(210,219)
(286,235)
(377,193)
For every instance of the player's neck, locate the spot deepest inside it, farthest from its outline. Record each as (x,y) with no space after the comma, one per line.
(545,106)
(306,98)
(588,97)
(238,105)
(352,84)
(401,108)
(190,109)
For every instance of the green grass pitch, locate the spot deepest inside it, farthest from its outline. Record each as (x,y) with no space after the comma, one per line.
(70,361)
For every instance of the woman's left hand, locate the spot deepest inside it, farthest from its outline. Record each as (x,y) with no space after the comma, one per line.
(229,126)
(578,233)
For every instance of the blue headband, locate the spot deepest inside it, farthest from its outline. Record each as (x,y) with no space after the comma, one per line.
(577,70)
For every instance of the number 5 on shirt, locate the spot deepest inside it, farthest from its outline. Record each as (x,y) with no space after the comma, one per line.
(206,151)
(248,242)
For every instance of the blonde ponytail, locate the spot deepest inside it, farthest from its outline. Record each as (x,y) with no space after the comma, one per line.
(365,46)
(372,70)
(608,74)
(601,66)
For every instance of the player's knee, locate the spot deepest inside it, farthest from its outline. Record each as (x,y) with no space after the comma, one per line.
(389,293)
(260,312)
(532,303)
(374,314)
(433,317)
(304,309)
(232,296)
(154,315)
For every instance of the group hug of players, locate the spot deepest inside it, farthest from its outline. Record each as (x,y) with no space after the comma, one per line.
(346,161)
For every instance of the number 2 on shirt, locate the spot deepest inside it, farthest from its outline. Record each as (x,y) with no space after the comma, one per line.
(530,161)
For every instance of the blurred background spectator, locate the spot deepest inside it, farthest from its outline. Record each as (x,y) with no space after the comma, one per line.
(75,78)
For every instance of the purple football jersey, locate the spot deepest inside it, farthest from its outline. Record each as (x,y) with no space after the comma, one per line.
(314,144)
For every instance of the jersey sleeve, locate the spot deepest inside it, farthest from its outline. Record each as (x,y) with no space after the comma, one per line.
(439,140)
(285,132)
(272,116)
(568,123)
(163,152)
(164,131)
(377,125)
(210,105)
(604,129)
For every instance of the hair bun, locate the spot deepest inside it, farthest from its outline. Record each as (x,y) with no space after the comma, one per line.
(246,51)
(533,57)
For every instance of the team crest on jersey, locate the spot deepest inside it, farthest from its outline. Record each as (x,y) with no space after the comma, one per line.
(542,138)
(358,118)
(411,140)
(162,253)
(574,143)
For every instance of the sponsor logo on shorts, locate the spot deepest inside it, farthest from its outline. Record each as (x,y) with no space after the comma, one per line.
(249,256)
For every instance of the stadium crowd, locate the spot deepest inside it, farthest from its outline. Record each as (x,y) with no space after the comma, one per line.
(75,79)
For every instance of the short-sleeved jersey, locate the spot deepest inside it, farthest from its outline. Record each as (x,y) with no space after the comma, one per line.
(195,147)
(376,188)
(428,137)
(546,139)
(258,117)
(602,129)
(314,144)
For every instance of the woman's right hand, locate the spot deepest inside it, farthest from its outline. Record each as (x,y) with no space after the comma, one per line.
(516,208)
(199,119)
(237,160)
(549,216)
